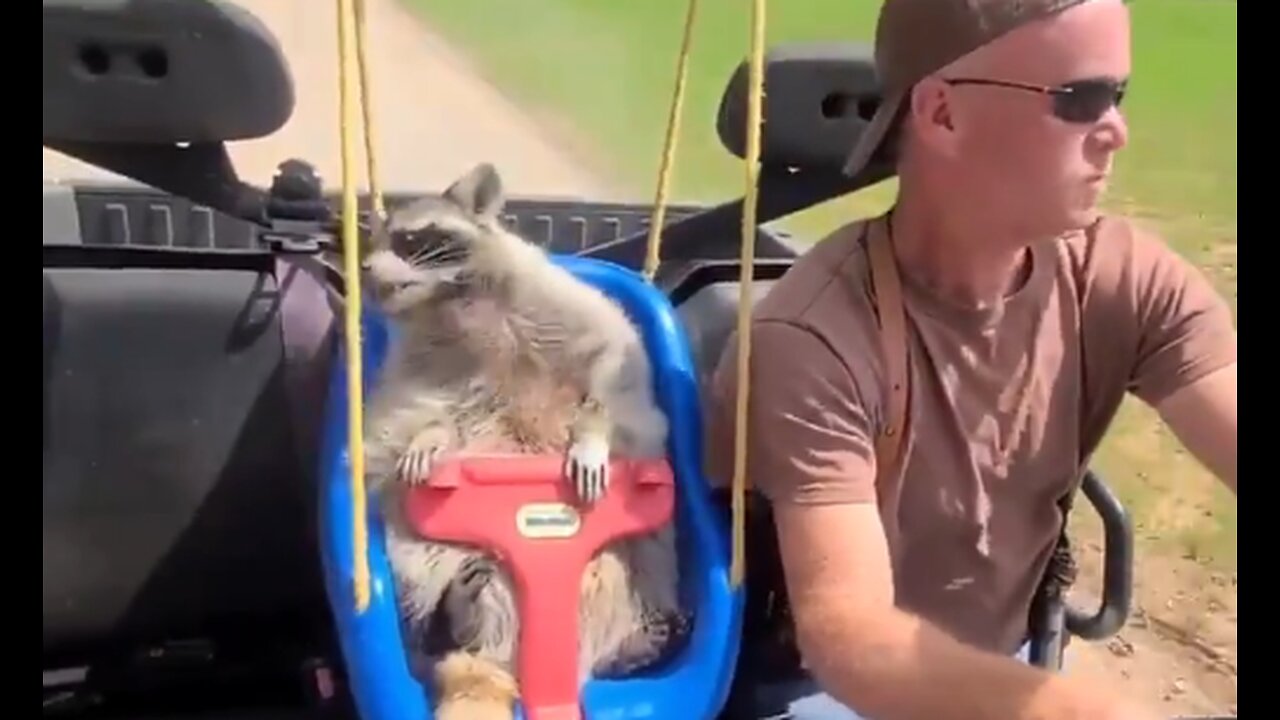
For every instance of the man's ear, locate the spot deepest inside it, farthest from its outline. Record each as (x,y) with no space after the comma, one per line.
(930,116)
(479,192)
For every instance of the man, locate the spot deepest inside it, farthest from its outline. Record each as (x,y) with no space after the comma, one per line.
(1026,320)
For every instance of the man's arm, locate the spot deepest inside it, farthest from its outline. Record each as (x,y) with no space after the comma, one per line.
(1203,416)
(888,664)
(1184,362)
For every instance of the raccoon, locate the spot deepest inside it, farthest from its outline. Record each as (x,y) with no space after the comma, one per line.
(499,350)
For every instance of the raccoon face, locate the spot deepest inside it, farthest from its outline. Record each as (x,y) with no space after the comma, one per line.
(427,241)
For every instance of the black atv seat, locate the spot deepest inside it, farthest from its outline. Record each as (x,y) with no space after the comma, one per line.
(182,397)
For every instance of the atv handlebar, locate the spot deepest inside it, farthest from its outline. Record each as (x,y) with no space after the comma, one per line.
(1117,573)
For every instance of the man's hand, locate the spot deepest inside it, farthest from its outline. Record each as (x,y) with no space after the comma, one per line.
(888,664)
(1203,416)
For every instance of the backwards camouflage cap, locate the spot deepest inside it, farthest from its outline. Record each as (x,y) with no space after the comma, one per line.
(916,38)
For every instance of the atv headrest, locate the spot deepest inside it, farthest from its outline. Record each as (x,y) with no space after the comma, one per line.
(161,71)
(818,98)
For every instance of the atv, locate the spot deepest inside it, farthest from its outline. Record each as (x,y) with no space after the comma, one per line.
(193,383)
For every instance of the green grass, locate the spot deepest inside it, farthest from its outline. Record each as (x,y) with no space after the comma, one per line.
(607,70)
(602,71)
(1180,166)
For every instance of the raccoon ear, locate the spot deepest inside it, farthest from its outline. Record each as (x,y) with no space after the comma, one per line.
(479,191)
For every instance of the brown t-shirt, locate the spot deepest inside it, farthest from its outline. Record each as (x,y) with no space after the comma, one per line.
(1006,405)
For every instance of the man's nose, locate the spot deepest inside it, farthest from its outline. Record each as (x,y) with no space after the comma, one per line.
(1113,130)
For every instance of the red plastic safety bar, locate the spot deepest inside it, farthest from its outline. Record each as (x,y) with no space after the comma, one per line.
(523,510)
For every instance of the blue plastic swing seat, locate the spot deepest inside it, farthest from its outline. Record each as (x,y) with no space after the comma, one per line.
(692,684)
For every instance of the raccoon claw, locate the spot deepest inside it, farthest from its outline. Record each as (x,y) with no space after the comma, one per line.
(587,467)
(665,631)
(415,465)
(678,626)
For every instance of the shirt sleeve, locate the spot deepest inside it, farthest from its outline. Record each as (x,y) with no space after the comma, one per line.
(809,439)
(1184,328)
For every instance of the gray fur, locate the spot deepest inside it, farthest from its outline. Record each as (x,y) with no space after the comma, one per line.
(489,329)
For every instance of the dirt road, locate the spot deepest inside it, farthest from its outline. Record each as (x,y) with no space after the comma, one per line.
(436,118)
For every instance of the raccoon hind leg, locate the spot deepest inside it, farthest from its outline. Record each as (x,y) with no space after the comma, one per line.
(475,681)
(480,608)
(655,562)
(631,613)
(422,570)
(607,614)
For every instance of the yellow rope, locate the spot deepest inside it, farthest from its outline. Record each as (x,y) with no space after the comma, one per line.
(652,256)
(351,269)
(366,108)
(669,147)
(755,99)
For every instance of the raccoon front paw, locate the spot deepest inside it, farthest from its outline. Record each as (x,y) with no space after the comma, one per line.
(422,454)
(416,463)
(587,467)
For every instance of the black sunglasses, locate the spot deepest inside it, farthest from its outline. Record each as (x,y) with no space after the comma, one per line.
(1081,101)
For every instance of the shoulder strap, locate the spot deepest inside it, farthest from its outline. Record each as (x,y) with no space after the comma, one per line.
(770,649)
(1093,232)
(893,345)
